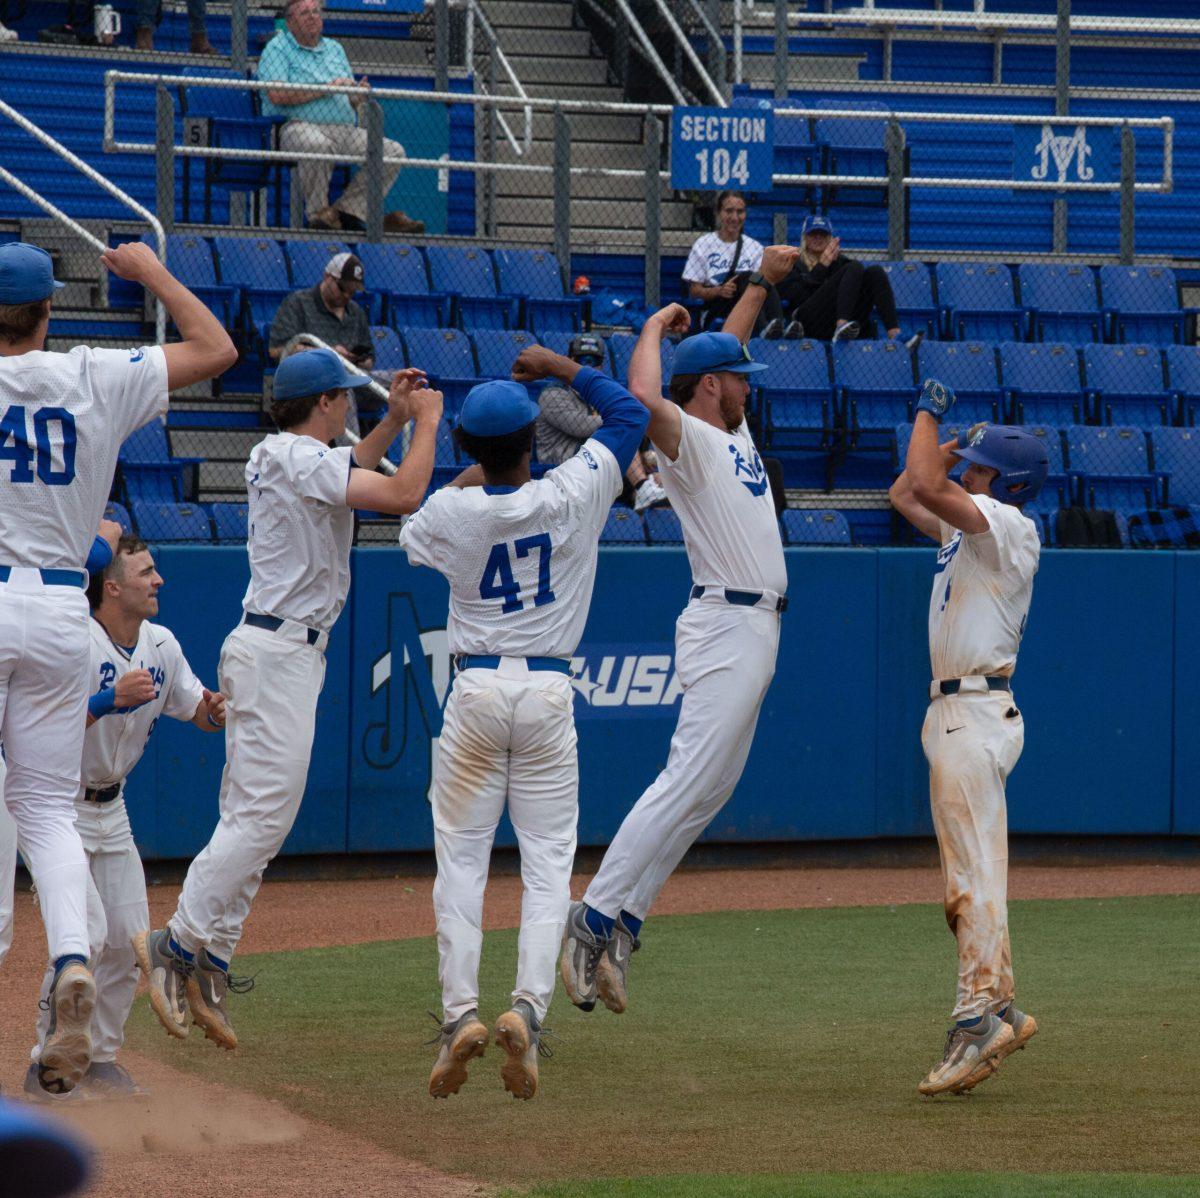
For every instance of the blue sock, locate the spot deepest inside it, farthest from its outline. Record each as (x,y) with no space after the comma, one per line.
(632,923)
(67,958)
(179,950)
(223,966)
(970,1022)
(599,925)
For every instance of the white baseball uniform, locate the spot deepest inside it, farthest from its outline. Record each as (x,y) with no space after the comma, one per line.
(112,746)
(300,533)
(62,420)
(8,870)
(724,657)
(972,739)
(521,563)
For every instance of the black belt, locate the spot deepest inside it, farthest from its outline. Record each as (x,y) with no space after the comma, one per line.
(951,686)
(102,796)
(740,598)
(274,623)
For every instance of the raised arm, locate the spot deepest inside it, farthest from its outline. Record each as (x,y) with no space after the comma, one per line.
(205,350)
(776,265)
(645,377)
(368,453)
(901,495)
(404,491)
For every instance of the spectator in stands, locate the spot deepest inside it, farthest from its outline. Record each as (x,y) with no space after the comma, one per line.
(148,14)
(830,296)
(565,422)
(720,263)
(323,122)
(327,311)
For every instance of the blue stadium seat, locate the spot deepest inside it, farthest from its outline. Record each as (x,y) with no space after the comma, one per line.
(1142,303)
(978,301)
(231,520)
(1183,378)
(852,146)
(257,268)
(1112,466)
(903,434)
(1057,490)
(623,526)
(797,392)
(119,513)
(970,368)
(397,273)
(912,286)
(497,349)
(446,357)
(1127,386)
(662,526)
(1177,462)
(1062,302)
(148,471)
(1042,383)
(158,521)
(190,260)
(874,380)
(446,462)
(815,527)
(620,347)
(535,276)
(388,348)
(466,273)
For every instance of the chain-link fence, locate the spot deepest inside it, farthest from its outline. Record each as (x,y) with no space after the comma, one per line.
(1004,200)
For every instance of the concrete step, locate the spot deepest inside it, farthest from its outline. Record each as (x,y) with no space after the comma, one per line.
(215,444)
(592,91)
(543,43)
(587,126)
(222,481)
(803,69)
(579,72)
(616,155)
(392,56)
(528,14)
(583,187)
(590,214)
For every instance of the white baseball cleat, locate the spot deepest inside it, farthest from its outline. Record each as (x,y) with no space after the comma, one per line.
(967,1048)
(1024,1029)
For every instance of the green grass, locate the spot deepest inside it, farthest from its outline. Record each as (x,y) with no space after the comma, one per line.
(781,1044)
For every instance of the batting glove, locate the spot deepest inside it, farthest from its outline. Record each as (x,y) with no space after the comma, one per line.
(936,399)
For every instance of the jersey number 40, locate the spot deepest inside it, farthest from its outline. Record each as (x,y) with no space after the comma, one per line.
(498,581)
(15,446)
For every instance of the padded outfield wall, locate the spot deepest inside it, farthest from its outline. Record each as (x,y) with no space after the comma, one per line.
(1106,682)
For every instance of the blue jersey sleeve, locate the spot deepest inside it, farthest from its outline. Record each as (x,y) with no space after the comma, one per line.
(98,556)
(624,416)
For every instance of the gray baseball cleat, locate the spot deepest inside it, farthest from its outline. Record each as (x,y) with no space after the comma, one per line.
(1024,1029)
(34,1091)
(520,1035)
(461,1040)
(208,990)
(581,955)
(166,974)
(67,1052)
(966,1050)
(614,966)
(107,1079)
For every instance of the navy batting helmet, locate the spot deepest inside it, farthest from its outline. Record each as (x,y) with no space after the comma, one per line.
(1020,457)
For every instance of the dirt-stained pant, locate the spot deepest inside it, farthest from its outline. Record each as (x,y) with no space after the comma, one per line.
(271,681)
(972,743)
(311,138)
(508,735)
(117,911)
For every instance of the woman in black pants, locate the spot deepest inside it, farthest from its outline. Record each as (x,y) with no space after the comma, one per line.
(829,296)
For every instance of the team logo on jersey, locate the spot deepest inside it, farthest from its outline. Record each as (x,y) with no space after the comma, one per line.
(136,355)
(946,552)
(750,472)
(628,681)
(588,457)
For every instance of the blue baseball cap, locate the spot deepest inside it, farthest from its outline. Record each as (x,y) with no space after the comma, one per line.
(40,1155)
(313,371)
(26,274)
(816,224)
(495,408)
(714,353)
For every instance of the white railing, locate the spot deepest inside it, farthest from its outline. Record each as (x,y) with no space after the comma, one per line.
(475,16)
(718,97)
(39,134)
(635,27)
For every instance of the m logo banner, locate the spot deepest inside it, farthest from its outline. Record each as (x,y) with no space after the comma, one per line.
(1066,154)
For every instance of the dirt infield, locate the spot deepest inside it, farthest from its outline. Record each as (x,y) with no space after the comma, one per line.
(195,1138)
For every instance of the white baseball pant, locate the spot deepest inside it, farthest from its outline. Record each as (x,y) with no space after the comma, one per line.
(8,871)
(117,910)
(312,138)
(44,668)
(972,744)
(725,660)
(271,681)
(507,734)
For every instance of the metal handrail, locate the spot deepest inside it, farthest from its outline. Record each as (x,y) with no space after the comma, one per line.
(502,61)
(651,53)
(686,43)
(89,172)
(984,22)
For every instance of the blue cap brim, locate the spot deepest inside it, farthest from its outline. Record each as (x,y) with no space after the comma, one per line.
(356,380)
(739,368)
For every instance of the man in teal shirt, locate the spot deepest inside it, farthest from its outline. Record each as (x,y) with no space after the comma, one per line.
(323,122)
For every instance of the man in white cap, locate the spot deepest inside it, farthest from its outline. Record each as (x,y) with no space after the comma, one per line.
(327,311)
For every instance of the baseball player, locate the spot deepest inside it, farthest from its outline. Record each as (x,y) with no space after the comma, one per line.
(725,641)
(62,420)
(520,557)
(302,495)
(139,674)
(973,731)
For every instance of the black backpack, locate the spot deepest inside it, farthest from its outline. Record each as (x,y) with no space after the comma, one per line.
(1086,528)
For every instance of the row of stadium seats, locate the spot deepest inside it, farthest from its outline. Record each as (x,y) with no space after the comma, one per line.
(159,520)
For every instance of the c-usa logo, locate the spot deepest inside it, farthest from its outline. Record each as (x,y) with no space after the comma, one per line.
(1063,149)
